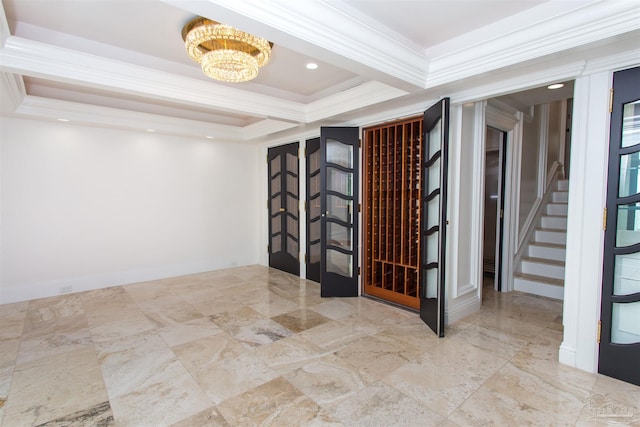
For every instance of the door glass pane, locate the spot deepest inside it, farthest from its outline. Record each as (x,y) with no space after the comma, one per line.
(631,124)
(339,263)
(314,161)
(339,208)
(314,185)
(430,283)
(625,323)
(292,247)
(626,278)
(338,235)
(276,242)
(434,177)
(314,253)
(292,184)
(314,208)
(433,212)
(292,226)
(275,185)
(314,230)
(435,135)
(275,165)
(339,181)
(628,232)
(276,224)
(292,163)
(629,181)
(275,205)
(339,153)
(432,248)
(292,205)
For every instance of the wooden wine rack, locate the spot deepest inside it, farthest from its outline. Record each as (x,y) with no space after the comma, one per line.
(392,166)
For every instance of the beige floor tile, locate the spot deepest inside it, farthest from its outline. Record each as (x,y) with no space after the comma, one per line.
(199,355)
(183,350)
(260,332)
(181,333)
(524,398)
(380,405)
(289,353)
(276,403)
(161,403)
(210,417)
(440,389)
(54,387)
(335,309)
(232,376)
(326,380)
(12,319)
(301,320)
(136,361)
(375,356)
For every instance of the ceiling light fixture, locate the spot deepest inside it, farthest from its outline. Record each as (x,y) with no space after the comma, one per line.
(63,120)
(225,53)
(555,86)
(312,66)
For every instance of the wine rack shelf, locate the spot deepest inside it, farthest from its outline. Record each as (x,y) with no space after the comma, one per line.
(392,166)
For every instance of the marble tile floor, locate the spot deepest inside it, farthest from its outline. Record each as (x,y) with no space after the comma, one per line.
(254,346)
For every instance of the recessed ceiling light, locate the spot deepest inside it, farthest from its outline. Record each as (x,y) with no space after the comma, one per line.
(63,120)
(555,86)
(151,130)
(209,137)
(312,66)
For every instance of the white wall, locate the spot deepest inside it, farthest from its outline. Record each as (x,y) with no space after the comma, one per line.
(91,207)
(532,139)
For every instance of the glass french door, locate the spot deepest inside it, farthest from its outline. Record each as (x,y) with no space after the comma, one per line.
(339,211)
(434,215)
(620,313)
(313,209)
(284,208)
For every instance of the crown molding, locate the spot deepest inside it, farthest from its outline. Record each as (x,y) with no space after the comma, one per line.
(41,60)
(364,95)
(13,91)
(297,24)
(264,128)
(592,23)
(45,108)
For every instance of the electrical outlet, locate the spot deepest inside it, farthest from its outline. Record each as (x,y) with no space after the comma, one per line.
(65,289)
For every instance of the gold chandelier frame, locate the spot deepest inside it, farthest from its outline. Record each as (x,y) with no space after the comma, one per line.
(225,53)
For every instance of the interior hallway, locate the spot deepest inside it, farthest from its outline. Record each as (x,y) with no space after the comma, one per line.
(255,346)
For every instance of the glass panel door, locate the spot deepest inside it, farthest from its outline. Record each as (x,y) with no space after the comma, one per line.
(283,203)
(338,213)
(434,215)
(313,209)
(620,315)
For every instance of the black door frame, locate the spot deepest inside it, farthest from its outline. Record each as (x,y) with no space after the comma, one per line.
(616,359)
(432,308)
(282,259)
(333,284)
(312,266)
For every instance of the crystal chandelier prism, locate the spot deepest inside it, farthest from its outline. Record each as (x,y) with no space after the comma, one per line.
(225,53)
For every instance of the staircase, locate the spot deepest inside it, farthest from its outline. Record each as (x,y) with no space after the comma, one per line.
(541,269)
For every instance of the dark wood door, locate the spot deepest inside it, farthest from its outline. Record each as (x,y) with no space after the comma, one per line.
(313,209)
(620,313)
(284,208)
(339,211)
(433,219)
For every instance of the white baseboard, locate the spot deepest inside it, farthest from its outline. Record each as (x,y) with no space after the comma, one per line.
(567,355)
(462,309)
(49,288)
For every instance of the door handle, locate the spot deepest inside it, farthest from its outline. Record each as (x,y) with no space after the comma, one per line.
(283,210)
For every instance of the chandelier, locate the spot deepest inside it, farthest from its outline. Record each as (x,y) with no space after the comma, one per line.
(225,53)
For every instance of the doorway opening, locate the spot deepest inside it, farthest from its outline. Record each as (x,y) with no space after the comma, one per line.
(494,174)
